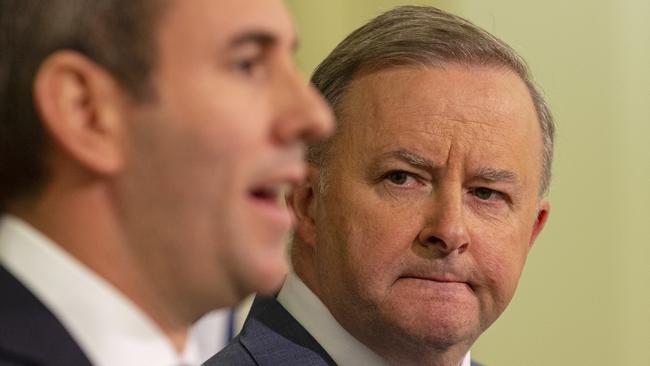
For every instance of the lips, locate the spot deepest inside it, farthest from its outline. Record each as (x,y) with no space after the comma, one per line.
(271,194)
(267,198)
(436,278)
(439,278)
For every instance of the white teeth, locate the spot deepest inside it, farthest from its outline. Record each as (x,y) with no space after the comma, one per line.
(279,191)
(282,193)
(282,189)
(276,191)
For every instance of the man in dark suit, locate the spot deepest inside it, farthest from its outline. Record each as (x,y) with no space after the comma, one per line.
(144,145)
(418,214)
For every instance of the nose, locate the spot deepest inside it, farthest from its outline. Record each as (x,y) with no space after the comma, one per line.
(445,229)
(303,115)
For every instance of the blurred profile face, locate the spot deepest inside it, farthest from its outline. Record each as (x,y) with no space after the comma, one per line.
(430,205)
(210,155)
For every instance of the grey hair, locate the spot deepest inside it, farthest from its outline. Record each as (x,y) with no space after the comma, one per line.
(422,36)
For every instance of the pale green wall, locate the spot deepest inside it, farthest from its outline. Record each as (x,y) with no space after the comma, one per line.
(585,296)
(323,24)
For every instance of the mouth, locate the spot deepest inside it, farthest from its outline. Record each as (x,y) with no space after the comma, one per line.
(268,202)
(440,280)
(271,194)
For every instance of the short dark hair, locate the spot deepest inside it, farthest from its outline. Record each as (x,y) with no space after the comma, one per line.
(118,35)
(423,35)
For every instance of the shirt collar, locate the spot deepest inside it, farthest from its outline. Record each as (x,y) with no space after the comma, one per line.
(108,327)
(312,314)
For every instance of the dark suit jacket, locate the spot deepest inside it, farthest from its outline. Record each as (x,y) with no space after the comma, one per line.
(29,332)
(272,337)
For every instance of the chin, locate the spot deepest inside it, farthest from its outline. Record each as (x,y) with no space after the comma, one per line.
(265,279)
(440,338)
(452,335)
(437,329)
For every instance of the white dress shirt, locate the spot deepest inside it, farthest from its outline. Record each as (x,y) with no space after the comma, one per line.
(211,333)
(107,326)
(314,316)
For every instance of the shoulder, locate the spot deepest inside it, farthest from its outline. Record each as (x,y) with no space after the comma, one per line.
(271,336)
(11,360)
(234,354)
(29,333)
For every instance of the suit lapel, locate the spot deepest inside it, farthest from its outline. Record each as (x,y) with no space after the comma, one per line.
(29,332)
(274,337)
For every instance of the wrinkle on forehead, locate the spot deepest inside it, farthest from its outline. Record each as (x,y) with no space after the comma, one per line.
(484,113)
(371,108)
(464,92)
(449,132)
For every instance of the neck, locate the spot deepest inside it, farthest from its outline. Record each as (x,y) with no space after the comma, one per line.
(81,222)
(425,357)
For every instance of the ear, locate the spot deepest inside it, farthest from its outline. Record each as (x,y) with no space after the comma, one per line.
(81,106)
(302,202)
(540,221)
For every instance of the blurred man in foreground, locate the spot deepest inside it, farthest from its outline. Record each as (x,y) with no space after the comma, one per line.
(143,148)
(419,213)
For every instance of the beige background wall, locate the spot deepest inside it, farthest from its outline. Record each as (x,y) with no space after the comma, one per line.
(585,296)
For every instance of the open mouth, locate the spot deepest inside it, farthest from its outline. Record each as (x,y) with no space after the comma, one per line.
(268,203)
(265,194)
(270,195)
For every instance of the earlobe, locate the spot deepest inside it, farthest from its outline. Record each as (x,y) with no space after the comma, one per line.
(540,221)
(79,105)
(302,202)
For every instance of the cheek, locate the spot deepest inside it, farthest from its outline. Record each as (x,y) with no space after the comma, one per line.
(370,244)
(223,140)
(193,172)
(499,263)
(217,114)
(219,156)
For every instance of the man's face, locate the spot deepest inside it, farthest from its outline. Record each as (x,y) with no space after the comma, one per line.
(209,156)
(430,204)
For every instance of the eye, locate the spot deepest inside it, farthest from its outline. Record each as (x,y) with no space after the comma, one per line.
(487,194)
(245,65)
(248,66)
(249,60)
(398,177)
(403,182)
(403,179)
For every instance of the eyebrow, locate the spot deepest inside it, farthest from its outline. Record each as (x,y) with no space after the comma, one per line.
(410,158)
(496,175)
(261,38)
(484,173)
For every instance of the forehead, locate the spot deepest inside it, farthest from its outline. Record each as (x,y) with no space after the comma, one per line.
(479,111)
(223,19)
